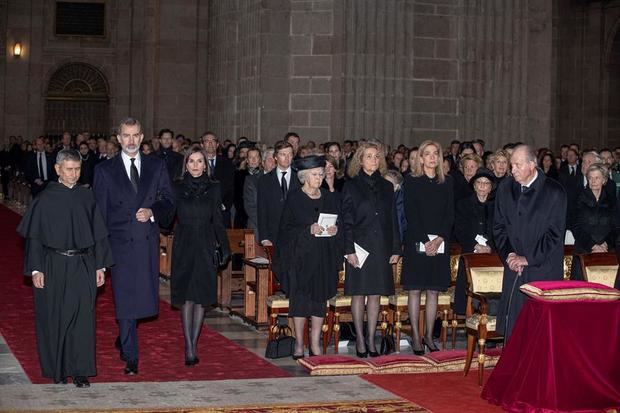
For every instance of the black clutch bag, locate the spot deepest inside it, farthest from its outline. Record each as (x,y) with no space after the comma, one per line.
(282,345)
(218,256)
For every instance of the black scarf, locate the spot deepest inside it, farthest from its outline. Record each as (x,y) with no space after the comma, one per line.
(195,187)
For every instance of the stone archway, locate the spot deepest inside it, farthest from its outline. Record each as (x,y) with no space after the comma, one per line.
(77,100)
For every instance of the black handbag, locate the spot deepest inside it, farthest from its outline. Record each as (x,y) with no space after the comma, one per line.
(218,256)
(282,345)
(388,344)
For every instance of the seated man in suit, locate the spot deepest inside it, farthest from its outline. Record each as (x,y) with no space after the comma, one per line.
(39,167)
(222,170)
(272,191)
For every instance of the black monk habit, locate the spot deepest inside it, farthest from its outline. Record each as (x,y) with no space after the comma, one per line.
(63,218)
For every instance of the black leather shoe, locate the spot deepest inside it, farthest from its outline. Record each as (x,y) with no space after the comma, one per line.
(117,343)
(81,381)
(61,381)
(373,353)
(361,355)
(190,362)
(298,356)
(131,367)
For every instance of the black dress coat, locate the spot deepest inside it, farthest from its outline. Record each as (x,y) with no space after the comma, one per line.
(429,208)
(223,173)
(472,218)
(173,161)
(307,266)
(369,219)
(250,199)
(135,245)
(462,189)
(198,229)
(271,204)
(530,224)
(595,223)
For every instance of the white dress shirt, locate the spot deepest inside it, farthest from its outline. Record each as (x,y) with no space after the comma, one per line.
(287,177)
(42,156)
(127,162)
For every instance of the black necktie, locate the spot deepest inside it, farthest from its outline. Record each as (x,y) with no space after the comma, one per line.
(523,188)
(572,171)
(134,175)
(41,176)
(283,184)
(212,166)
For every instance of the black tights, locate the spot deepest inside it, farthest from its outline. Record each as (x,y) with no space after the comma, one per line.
(372,314)
(414,317)
(192,315)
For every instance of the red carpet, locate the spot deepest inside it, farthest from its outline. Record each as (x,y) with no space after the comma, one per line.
(161,340)
(437,392)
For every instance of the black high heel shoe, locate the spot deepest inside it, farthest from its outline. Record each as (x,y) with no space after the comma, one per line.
(298,356)
(417,352)
(190,362)
(431,349)
(361,355)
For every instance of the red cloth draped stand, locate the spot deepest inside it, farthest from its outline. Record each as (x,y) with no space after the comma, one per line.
(562,356)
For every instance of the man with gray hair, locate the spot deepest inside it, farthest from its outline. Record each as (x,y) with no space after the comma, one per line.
(530,215)
(66,254)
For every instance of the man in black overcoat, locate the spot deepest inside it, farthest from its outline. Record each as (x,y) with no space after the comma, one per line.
(222,170)
(134,194)
(66,253)
(530,216)
(272,190)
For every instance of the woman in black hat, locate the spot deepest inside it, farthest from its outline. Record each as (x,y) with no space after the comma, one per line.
(473,227)
(308,256)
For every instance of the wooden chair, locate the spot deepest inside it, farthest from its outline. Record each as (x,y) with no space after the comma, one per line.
(399,303)
(339,309)
(599,267)
(165,254)
(485,273)
(278,304)
(256,279)
(229,280)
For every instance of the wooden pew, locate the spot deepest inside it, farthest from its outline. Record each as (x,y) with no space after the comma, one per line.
(229,281)
(165,254)
(257,284)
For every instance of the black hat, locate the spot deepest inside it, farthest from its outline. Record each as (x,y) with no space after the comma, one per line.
(483,173)
(309,162)
(246,144)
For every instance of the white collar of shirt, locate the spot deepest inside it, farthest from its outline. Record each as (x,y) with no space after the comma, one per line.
(532,181)
(585,181)
(127,163)
(287,176)
(214,160)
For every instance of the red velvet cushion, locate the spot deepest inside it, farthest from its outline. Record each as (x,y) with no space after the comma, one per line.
(569,291)
(399,363)
(334,365)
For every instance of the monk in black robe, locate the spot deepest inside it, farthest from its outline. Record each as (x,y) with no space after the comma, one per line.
(66,253)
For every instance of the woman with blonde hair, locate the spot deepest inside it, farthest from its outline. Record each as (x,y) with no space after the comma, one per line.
(369,222)
(468,165)
(500,164)
(429,210)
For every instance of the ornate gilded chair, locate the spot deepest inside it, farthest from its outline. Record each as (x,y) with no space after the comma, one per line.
(599,268)
(485,273)
(339,309)
(398,304)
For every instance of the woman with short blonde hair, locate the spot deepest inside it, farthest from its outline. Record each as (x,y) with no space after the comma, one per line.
(355,164)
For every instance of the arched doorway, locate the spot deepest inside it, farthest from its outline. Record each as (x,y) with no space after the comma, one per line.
(77,100)
(613,102)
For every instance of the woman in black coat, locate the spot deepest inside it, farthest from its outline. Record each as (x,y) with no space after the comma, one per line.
(473,227)
(198,230)
(307,265)
(369,220)
(429,208)
(596,218)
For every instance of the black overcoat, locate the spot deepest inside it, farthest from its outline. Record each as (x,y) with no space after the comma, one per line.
(429,208)
(369,219)
(135,245)
(306,265)
(199,227)
(530,224)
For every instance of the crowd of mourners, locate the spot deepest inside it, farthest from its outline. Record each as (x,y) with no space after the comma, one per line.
(412,202)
